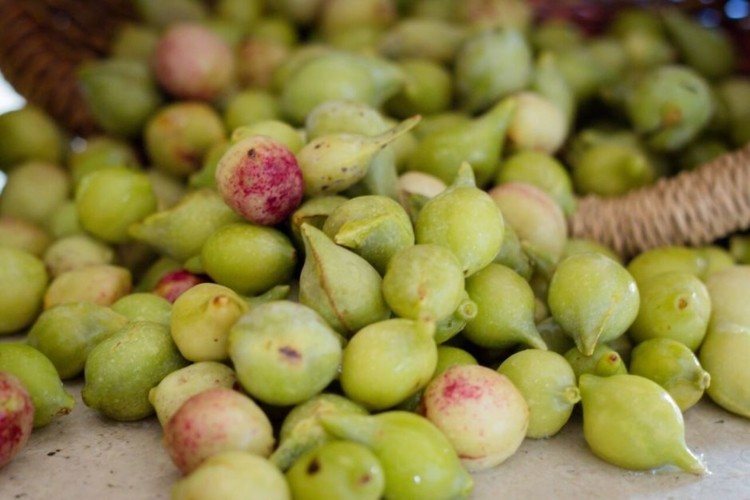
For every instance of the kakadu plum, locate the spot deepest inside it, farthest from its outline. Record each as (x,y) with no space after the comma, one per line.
(260,179)
(16,417)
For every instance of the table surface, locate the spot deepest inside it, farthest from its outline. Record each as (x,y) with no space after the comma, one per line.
(84,455)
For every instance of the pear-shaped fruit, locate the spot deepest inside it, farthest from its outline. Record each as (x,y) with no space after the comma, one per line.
(465,220)
(505,309)
(593,298)
(180,231)
(388,361)
(549,386)
(339,284)
(424,281)
(374,227)
(632,422)
(38,375)
(709,50)
(672,365)
(675,305)
(418,460)
(478,142)
(334,162)
(603,362)
(301,430)
(490,65)
(669,106)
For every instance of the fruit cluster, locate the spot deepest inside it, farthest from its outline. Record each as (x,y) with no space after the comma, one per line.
(325,243)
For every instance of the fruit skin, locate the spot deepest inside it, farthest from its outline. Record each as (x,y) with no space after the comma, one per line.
(68,332)
(180,385)
(724,356)
(549,386)
(38,375)
(28,134)
(191,62)
(418,460)
(301,430)
(386,362)
(593,298)
(482,413)
(337,470)
(214,420)
(23,283)
(632,422)
(16,417)
(233,475)
(442,221)
(121,370)
(260,179)
(284,352)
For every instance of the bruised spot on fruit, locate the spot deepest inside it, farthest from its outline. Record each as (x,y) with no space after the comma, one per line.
(682,304)
(313,467)
(290,353)
(364,479)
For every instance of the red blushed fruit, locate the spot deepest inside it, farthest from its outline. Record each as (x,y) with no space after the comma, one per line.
(173,284)
(216,420)
(260,179)
(191,62)
(16,417)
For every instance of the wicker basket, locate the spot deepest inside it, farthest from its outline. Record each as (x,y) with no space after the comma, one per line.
(42,43)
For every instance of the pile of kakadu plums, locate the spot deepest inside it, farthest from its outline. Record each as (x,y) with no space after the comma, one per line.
(325,243)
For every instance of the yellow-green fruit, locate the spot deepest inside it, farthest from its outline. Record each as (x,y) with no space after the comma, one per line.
(23,282)
(122,369)
(38,375)
(180,385)
(724,356)
(674,305)
(109,200)
(672,365)
(593,298)
(201,319)
(632,422)
(337,470)
(549,386)
(233,475)
(418,461)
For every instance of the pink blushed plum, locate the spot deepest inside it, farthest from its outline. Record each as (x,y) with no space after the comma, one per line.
(174,283)
(260,179)
(482,413)
(16,417)
(191,62)
(216,420)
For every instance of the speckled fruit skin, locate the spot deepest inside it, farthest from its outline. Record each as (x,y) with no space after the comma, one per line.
(216,420)
(260,179)
(482,413)
(16,417)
